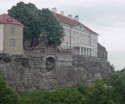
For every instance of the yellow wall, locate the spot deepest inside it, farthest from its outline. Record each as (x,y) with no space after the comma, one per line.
(18,36)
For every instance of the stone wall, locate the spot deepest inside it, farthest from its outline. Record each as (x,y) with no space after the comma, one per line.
(30,72)
(94,66)
(102,52)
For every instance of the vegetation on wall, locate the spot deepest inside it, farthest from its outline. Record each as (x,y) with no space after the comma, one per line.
(74,95)
(7,95)
(108,91)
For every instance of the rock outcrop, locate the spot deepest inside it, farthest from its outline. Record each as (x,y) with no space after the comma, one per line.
(102,52)
(52,70)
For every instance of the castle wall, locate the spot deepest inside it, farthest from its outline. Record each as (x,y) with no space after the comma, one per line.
(102,52)
(31,73)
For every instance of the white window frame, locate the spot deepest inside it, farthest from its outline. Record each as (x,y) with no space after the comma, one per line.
(12,42)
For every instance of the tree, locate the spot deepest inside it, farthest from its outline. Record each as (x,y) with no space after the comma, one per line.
(102,94)
(28,14)
(64,96)
(51,27)
(37,22)
(7,95)
(117,81)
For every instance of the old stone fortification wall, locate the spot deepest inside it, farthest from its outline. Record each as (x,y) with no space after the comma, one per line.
(102,52)
(94,66)
(34,72)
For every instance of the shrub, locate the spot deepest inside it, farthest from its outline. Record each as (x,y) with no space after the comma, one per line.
(7,95)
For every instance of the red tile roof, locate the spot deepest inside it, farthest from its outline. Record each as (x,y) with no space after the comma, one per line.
(67,20)
(6,19)
(70,21)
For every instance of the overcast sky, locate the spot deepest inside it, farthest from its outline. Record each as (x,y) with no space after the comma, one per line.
(106,17)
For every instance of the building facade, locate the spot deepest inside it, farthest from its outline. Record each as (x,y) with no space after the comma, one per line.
(11,35)
(78,37)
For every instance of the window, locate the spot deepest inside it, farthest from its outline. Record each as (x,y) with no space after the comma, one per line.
(74,41)
(12,31)
(12,42)
(74,32)
(67,30)
(80,27)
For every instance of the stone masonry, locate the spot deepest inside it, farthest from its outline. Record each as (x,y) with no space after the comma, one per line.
(102,52)
(51,70)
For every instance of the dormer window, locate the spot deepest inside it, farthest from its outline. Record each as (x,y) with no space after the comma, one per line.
(10,20)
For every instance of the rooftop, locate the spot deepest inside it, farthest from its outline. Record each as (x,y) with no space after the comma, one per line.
(71,21)
(6,19)
(67,20)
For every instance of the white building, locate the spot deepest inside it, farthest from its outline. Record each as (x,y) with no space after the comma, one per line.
(78,37)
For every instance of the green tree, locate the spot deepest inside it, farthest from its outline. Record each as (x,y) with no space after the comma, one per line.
(37,22)
(7,95)
(28,14)
(117,81)
(101,94)
(51,27)
(64,96)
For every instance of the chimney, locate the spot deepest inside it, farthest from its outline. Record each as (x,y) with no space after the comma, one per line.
(70,16)
(76,18)
(62,13)
(54,10)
